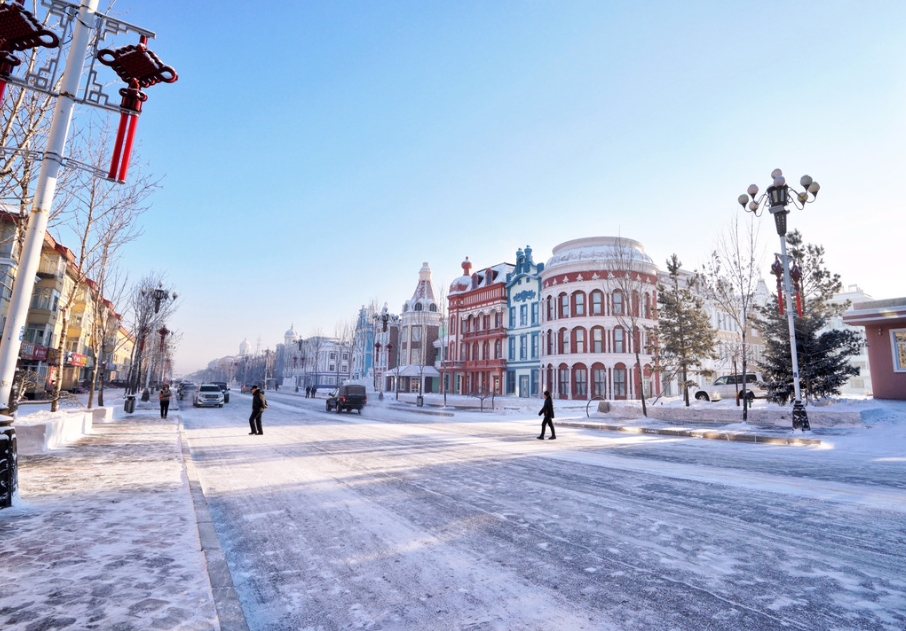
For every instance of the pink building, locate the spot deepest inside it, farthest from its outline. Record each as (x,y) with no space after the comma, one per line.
(885,334)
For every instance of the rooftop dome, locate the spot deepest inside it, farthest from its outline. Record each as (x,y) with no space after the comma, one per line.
(598,249)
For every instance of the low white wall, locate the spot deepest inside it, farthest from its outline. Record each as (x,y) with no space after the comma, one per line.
(35,438)
(764,418)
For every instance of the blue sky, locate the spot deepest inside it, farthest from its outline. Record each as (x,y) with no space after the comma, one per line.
(316,153)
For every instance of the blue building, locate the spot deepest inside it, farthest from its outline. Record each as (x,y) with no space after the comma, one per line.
(523,372)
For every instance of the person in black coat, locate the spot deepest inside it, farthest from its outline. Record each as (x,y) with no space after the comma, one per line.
(547,410)
(259,404)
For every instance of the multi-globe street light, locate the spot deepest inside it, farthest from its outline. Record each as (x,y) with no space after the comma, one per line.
(776,198)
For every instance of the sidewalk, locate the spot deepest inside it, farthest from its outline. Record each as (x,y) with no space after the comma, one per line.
(104,535)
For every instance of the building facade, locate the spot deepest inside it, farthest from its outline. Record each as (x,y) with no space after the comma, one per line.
(884,322)
(598,299)
(477,334)
(419,323)
(523,351)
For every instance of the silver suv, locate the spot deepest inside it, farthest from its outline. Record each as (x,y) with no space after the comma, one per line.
(730,387)
(209,394)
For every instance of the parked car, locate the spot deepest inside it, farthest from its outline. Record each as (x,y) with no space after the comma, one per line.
(730,386)
(209,395)
(350,397)
(223,388)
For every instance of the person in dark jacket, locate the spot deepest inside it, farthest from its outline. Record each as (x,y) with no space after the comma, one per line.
(547,411)
(259,405)
(164,398)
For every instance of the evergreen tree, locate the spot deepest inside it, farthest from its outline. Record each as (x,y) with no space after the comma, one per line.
(823,353)
(685,334)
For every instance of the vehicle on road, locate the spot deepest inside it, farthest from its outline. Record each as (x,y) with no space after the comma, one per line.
(349,397)
(209,395)
(730,387)
(223,388)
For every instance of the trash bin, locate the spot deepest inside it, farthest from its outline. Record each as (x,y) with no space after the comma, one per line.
(419,401)
(129,405)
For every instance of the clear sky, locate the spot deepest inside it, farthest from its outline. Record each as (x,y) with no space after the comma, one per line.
(316,153)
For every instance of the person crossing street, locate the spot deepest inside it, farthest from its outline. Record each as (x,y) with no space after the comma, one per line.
(259,404)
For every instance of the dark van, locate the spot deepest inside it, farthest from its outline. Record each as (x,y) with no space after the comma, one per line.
(225,389)
(351,397)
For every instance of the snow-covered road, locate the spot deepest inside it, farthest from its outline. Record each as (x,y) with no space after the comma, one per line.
(399,520)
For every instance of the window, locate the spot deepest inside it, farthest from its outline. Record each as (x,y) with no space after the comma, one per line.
(580,377)
(618,303)
(416,335)
(550,342)
(512,348)
(599,378)
(579,301)
(523,315)
(597,340)
(523,347)
(498,319)
(511,382)
(536,382)
(564,306)
(535,313)
(418,306)
(550,308)
(564,341)
(564,382)
(618,344)
(498,350)
(619,383)
(512,317)
(34,333)
(535,346)
(580,341)
(487,322)
(898,343)
(597,303)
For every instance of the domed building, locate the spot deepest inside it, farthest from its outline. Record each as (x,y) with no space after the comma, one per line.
(598,299)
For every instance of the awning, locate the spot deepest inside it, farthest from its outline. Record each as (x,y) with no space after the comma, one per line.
(414,371)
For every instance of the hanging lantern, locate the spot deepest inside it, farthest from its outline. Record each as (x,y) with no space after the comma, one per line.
(19,30)
(796,276)
(777,270)
(139,68)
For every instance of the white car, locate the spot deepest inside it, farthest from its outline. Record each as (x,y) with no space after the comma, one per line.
(730,386)
(209,395)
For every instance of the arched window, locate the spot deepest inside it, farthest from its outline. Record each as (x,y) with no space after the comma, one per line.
(647,305)
(598,380)
(597,340)
(597,303)
(619,343)
(579,340)
(579,303)
(564,305)
(550,308)
(635,303)
(550,343)
(418,306)
(618,302)
(485,350)
(564,342)
(580,381)
(619,381)
(563,381)
(432,307)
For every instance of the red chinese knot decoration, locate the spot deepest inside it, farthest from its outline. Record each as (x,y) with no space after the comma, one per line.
(139,68)
(19,30)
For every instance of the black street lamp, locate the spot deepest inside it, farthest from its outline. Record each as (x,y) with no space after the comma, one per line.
(778,196)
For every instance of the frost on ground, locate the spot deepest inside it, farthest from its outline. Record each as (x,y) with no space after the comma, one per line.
(403,520)
(104,536)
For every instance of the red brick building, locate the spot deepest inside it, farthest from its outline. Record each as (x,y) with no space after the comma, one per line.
(477,331)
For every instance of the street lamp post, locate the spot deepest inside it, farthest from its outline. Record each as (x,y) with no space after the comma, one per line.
(776,198)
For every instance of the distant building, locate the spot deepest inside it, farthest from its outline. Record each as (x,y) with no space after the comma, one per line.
(523,286)
(477,307)
(419,323)
(861,385)
(587,348)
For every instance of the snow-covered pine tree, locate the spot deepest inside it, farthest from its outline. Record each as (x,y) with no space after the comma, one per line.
(823,353)
(685,336)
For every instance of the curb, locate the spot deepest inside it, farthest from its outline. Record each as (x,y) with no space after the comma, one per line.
(404,406)
(737,437)
(226,600)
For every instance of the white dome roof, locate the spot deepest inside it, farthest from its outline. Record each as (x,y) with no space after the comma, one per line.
(597,249)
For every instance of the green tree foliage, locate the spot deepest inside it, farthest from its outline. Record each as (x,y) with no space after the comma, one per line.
(685,335)
(823,353)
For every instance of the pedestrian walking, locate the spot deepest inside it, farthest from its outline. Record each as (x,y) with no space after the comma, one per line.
(259,405)
(547,410)
(164,397)
(307,392)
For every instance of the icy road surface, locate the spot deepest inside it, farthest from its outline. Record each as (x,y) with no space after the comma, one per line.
(398,520)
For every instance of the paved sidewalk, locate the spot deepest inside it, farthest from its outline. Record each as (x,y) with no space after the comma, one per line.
(104,536)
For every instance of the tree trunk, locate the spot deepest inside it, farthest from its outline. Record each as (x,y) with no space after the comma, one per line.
(638,364)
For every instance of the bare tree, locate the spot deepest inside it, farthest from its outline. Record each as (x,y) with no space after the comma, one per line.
(631,277)
(102,219)
(730,278)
